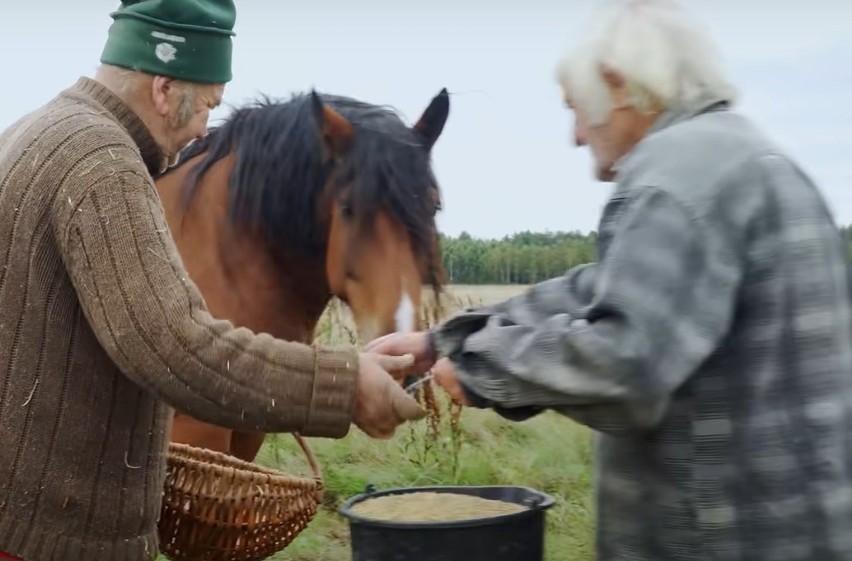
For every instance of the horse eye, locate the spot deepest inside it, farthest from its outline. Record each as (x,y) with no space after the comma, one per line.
(346,211)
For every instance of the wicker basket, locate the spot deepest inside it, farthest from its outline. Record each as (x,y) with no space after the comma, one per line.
(220,508)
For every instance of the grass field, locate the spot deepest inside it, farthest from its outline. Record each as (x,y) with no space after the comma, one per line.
(549,453)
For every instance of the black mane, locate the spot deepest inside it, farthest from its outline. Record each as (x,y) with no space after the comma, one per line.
(279,174)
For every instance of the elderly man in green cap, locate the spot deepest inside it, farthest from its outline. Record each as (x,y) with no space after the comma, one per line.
(102,333)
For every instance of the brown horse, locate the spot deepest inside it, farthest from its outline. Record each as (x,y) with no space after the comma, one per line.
(289,203)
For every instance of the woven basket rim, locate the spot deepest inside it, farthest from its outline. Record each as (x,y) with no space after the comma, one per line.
(217,464)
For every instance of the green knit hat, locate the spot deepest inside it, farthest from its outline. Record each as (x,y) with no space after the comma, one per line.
(183,39)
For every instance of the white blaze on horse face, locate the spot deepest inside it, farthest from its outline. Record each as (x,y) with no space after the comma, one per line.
(405,314)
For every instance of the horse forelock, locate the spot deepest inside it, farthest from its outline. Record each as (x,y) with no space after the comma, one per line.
(389,169)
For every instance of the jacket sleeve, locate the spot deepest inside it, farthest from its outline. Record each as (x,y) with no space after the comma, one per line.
(608,343)
(152,321)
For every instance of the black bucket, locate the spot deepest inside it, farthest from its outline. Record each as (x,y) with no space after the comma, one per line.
(517,536)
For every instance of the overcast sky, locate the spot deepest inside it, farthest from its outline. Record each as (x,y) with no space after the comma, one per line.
(505,160)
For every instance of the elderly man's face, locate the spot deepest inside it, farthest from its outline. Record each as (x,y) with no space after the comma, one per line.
(611,140)
(599,139)
(184,111)
(189,116)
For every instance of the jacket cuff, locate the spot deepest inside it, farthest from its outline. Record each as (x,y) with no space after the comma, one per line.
(474,399)
(333,397)
(515,414)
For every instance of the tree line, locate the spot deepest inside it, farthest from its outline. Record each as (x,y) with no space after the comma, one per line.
(527,257)
(522,258)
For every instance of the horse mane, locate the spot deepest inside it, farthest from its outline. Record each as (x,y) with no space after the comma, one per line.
(279,175)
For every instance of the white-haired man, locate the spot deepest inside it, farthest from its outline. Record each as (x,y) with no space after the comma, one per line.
(710,346)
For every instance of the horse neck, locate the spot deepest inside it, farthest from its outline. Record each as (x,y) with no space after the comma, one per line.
(240,276)
(299,297)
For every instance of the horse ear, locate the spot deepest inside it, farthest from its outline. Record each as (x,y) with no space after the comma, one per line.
(336,131)
(431,123)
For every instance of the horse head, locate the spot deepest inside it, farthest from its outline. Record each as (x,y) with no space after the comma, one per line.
(379,205)
(291,202)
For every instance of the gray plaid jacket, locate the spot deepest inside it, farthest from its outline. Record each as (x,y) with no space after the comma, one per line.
(709,346)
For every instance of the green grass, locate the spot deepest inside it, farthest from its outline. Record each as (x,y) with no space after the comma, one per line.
(549,453)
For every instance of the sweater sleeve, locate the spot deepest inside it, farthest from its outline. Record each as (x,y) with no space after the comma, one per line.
(152,321)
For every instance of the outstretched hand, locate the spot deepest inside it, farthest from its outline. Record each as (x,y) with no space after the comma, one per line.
(415,344)
(381,405)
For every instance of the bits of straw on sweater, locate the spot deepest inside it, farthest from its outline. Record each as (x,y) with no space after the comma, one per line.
(32,393)
(127,462)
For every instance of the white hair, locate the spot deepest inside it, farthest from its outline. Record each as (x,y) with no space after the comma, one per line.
(662,53)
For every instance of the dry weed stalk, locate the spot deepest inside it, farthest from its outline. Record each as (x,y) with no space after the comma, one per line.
(442,437)
(432,312)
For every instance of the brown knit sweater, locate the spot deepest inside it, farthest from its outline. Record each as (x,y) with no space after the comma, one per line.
(102,333)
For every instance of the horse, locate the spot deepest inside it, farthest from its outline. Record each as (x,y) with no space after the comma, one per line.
(291,203)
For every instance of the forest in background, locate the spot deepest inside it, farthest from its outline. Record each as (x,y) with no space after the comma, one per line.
(526,257)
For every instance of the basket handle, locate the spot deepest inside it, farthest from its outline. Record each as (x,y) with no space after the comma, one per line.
(309,455)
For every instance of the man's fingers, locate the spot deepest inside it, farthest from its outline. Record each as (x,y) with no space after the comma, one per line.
(385,404)
(406,407)
(393,363)
(404,404)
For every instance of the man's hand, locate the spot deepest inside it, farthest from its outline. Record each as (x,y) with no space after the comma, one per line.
(381,404)
(445,376)
(415,344)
